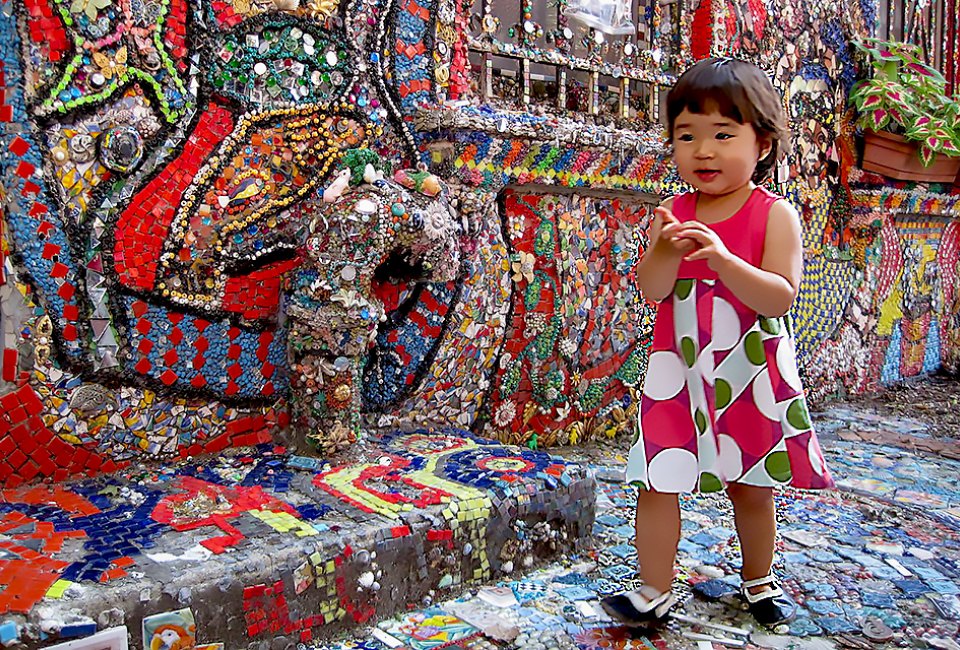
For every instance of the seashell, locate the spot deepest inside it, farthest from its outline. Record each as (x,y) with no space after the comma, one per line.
(365,206)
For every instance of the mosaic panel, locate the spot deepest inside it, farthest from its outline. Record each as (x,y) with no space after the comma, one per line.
(227,223)
(339,532)
(579,327)
(232,223)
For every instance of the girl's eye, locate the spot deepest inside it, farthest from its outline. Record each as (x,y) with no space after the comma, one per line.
(686,137)
(724,136)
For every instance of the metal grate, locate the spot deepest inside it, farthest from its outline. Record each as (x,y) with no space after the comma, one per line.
(523,46)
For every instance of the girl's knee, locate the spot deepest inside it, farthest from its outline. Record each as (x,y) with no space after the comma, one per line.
(658,498)
(749,495)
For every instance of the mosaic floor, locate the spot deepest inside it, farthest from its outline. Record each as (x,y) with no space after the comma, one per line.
(874,565)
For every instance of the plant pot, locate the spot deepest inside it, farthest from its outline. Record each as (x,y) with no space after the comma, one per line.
(896,157)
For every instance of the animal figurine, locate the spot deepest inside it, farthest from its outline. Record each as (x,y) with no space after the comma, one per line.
(419,181)
(339,185)
(371,175)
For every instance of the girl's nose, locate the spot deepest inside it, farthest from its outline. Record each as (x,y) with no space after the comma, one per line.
(704,150)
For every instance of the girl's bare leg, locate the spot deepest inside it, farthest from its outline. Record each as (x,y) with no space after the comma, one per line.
(757,529)
(756,522)
(658,533)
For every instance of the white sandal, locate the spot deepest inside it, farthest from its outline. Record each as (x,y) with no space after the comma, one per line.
(641,607)
(771,606)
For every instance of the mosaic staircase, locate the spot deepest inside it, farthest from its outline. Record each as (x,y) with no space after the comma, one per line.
(267,550)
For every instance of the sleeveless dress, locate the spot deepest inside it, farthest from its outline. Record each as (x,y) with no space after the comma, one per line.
(722,399)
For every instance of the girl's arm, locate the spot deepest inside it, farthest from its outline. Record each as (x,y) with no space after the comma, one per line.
(657,271)
(771,289)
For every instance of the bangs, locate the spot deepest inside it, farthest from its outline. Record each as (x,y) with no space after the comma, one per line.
(710,87)
(704,102)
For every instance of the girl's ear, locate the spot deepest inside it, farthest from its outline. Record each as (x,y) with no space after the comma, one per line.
(766,146)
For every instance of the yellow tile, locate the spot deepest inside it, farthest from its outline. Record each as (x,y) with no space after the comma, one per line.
(57,589)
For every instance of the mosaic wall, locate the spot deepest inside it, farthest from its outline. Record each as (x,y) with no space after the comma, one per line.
(575,342)
(874,304)
(227,223)
(901,316)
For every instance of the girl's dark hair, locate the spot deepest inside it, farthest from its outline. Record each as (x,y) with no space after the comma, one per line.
(739,91)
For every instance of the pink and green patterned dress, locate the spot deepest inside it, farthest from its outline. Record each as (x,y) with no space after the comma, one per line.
(722,399)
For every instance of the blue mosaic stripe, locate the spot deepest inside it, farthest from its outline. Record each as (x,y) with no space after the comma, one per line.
(931,354)
(214,370)
(891,363)
(412,30)
(22,226)
(389,378)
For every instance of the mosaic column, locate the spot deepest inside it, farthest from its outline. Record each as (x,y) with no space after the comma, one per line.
(402,228)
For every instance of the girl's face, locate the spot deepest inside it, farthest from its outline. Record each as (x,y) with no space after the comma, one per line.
(715,154)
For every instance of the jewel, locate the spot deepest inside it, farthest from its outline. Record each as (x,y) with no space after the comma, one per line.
(114,68)
(121,148)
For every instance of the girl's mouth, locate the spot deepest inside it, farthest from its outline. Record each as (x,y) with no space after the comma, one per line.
(707,175)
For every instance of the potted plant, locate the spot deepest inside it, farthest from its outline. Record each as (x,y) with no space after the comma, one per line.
(911,126)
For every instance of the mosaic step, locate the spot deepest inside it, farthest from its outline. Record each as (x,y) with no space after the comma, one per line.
(259,548)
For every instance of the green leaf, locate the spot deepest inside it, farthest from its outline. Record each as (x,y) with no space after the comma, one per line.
(934,131)
(894,96)
(880,118)
(926,71)
(926,155)
(895,116)
(532,296)
(950,148)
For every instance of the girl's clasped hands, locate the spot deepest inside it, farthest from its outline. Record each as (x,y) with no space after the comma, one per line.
(693,239)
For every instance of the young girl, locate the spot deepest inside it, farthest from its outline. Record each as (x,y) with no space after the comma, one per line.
(722,406)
